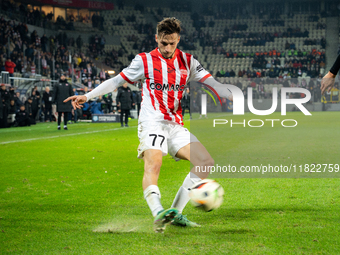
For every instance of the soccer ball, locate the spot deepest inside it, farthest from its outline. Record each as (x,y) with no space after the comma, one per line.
(206,195)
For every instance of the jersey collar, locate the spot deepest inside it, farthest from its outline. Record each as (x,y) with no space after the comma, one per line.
(167,59)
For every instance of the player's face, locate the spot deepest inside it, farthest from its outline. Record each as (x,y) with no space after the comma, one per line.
(167,44)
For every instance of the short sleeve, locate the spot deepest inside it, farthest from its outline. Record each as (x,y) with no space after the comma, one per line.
(135,71)
(197,72)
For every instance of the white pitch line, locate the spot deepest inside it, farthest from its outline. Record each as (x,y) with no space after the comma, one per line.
(39,127)
(57,136)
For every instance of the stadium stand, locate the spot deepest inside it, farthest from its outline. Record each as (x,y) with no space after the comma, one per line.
(267,47)
(231,48)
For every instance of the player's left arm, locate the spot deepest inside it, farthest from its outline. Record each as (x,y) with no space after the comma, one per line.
(221,89)
(198,73)
(327,82)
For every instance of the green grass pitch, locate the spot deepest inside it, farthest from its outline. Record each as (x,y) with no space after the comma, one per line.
(79,192)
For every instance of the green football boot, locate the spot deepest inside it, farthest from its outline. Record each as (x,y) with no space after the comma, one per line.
(182,221)
(163,218)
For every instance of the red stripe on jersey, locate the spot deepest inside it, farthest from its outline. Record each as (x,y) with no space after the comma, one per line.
(146,74)
(188,59)
(125,78)
(158,79)
(205,77)
(145,63)
(181,64)
(171,93)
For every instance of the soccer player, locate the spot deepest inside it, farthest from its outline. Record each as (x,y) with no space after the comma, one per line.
(328,80)
(165,71)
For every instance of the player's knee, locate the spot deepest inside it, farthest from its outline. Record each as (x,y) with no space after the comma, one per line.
(153,166)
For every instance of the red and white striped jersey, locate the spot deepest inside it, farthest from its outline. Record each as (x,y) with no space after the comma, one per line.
(164,81)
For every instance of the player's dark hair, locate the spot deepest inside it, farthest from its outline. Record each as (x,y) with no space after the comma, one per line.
(168,26)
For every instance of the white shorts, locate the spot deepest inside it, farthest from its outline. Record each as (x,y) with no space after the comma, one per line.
(167,137)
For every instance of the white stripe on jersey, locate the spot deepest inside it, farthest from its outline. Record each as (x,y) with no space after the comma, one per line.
(178,80)
(186,63)
(146,96)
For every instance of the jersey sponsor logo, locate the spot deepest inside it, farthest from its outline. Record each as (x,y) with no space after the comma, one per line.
(183,72)
(168,87)
(199,68)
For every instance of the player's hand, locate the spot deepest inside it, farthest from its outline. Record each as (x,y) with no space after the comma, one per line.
(327,82)
(76,101)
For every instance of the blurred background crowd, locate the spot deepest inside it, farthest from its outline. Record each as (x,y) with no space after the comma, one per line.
(253,45)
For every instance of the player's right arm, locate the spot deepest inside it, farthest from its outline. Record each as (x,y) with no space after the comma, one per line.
(327,82)
(134,72)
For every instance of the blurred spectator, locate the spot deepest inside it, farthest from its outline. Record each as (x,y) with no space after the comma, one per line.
(5,98)
(124,102)
(28,106)
(102,75)
(96,106)
(62,91)
(33,70)
(139,99)
(186,102)
(17,100)
(108,101)
(44,42)
(11,113)
(94,71)
(47,98)
(9,67)
(79,42)
(22,119)
(35,104)
(96,83)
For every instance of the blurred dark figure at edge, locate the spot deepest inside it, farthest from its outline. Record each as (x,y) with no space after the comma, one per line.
(186,102)
(61,91)
(5,99)
(124,102)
